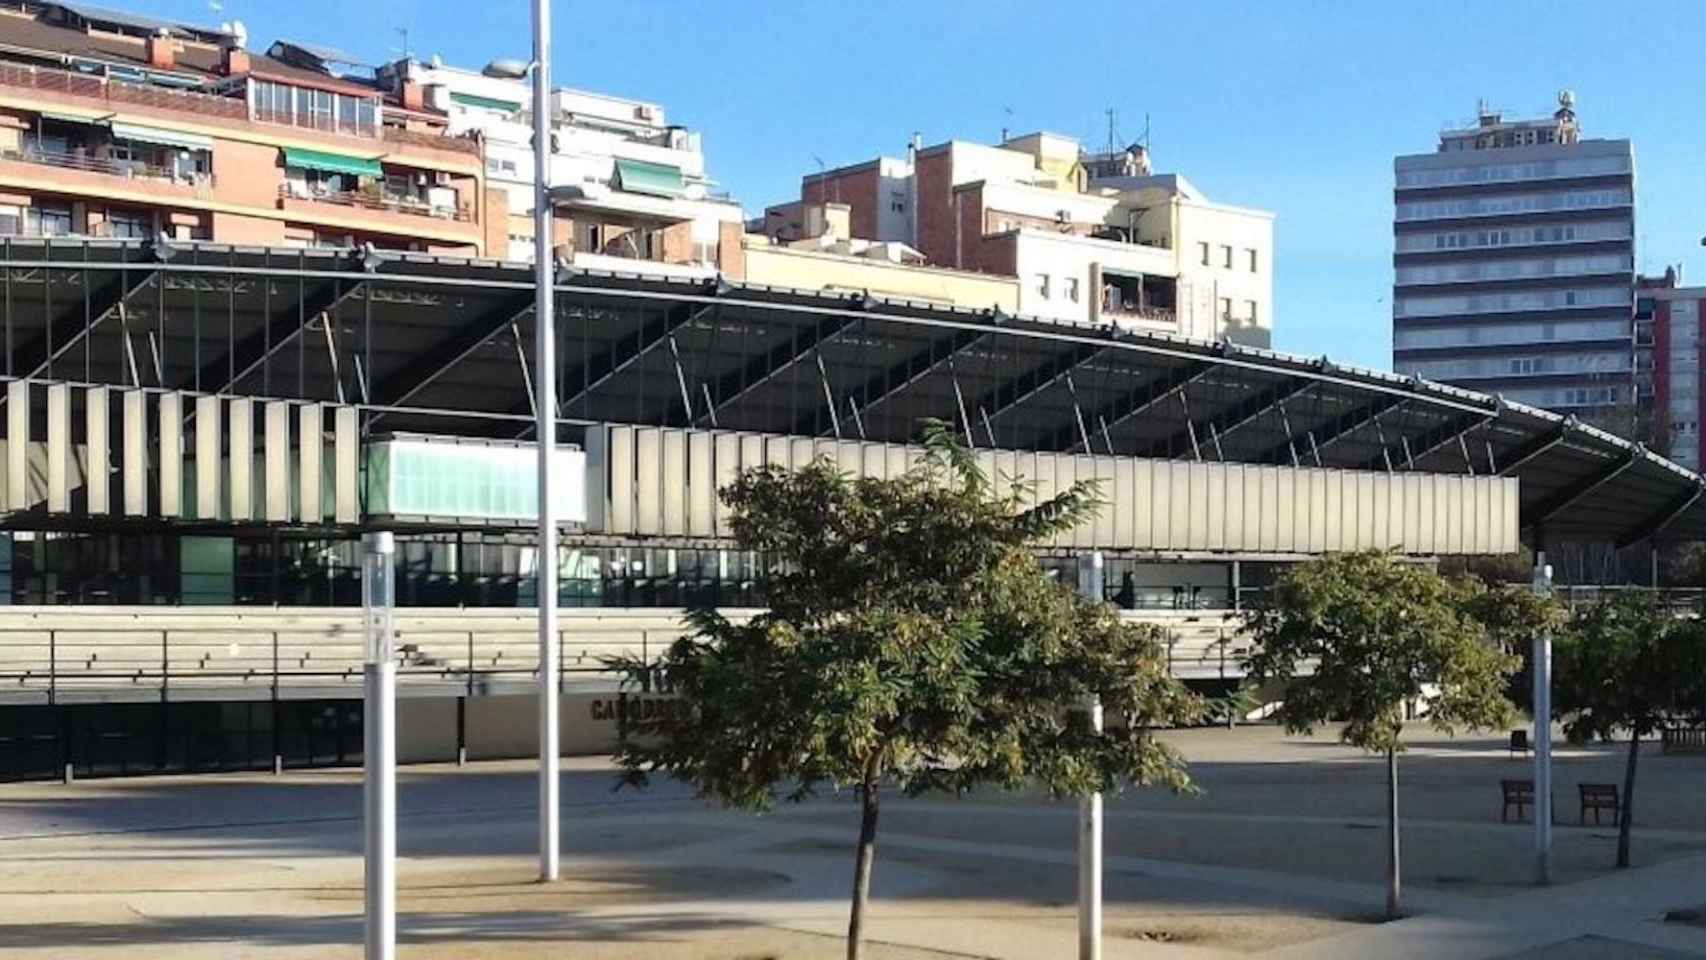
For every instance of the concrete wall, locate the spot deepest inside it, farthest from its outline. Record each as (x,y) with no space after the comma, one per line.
(813,270)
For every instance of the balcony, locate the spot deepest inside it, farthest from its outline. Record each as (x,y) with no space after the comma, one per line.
(128,169)
(117,91)
(382,203)
(1132,313)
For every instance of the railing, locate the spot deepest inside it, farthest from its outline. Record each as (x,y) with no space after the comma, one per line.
(100,88)
(367,201)
(129,169)
(1147,314)
(414,138)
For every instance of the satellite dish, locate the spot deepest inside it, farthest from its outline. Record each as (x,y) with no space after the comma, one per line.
(1567,99)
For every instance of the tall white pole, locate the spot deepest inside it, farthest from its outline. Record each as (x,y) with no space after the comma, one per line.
(379,753)
(1091,579)
(1542,733)
(545,402)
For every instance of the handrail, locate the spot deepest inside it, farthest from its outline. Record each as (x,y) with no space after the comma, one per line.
(355,198)
(66,160)
(102,88)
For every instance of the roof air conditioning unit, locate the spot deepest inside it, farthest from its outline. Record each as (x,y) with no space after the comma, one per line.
(642,112)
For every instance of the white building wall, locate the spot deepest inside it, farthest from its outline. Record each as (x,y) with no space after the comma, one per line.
(1056,261)
(1211,291)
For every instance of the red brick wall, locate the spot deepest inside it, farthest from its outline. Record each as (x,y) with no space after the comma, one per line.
(933,173)
(859,189)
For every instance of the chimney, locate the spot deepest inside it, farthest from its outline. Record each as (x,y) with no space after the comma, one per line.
(236,61)
(162,52)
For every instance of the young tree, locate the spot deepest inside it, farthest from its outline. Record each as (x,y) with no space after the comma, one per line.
(912,638)
(1627,664)
(1513,617)
(1358,637)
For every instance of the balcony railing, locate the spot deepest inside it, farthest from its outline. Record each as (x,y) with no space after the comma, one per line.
(129,169)
(414,138)
(379,202)
(1145,314)
(101,88)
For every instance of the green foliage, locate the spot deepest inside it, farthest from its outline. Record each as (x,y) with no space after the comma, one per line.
(1627,664)
(912,636)
(1354,637)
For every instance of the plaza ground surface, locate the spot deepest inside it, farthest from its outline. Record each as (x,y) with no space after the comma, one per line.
(1281,855)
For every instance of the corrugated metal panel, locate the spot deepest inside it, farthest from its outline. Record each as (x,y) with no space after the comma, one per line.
(730,454)
(850,458)
(18,444)
(1151,486)
(621,480)
(701,485)
(648,481)
(209,457)
(802,452)
(898,463)
(1124,503)
(171,455)
(345,448)
(1285,510)
(1046,467)
(676,485)
(242,455)
(874,460)
(1447,536)
(98,443)
(1196,513)
(135,465)
(1379,528)
(277,460)
(777,452)
(1233,515)
(58,448)
(310,451)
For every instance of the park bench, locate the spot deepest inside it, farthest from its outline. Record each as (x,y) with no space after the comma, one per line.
(1518,794)
(1519,742)
(1597,797)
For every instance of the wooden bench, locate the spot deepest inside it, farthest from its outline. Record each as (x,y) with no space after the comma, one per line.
(1597,797)
(1518,794)
(1519,742)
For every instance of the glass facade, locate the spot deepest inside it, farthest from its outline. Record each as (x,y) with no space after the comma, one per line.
(1501,205)
(1507,172)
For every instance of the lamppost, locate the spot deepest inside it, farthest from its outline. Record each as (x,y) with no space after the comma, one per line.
(545,427)
(1091,576)
(379,753)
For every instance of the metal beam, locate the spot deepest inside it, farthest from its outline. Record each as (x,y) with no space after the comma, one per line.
(1249,410)
(1538,446)
(1570,496)
(1664,517)
(767,366)
(893,381)
(626,351)
(1037,379)
(1136,400)
(281,329)
(1341,427)
(1438,438)
(401,386)
(33,359)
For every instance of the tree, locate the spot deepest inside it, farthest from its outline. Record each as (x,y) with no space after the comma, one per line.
(1361,637)
(1513,617)
(912,639)
(1627,664)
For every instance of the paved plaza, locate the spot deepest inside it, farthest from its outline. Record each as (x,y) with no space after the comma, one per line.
(1280,856)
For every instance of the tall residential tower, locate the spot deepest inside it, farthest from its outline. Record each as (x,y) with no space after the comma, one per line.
(1514,263)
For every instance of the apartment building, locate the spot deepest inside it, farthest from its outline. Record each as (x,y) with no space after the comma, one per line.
(1670,320)
(1090,238)
(1514,263)
(114,125)
(626,184)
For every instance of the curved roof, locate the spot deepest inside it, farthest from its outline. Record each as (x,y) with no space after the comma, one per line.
(440,340)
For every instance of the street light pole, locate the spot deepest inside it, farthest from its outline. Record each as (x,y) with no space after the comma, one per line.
(379,753)
(1091,578)
(545,409)
(1542,659)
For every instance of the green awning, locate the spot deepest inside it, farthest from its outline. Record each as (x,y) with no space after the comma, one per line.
(655,179)
(485,103)
(332,162)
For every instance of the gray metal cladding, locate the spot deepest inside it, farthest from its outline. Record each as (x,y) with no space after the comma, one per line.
(664,481)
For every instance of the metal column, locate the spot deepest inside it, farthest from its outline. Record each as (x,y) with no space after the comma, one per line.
(379,757)
(1542,731)
(1090,578)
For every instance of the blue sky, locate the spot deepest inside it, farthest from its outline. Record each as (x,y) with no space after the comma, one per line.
(1293,107)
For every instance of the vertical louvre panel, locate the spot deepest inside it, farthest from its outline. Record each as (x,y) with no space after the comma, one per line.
(803,451)
(648,512)
(58,448)
(701,484)
(277,460)
(621,480)
(727,447)
(1232,495)
(675,487)
(1046,474)
(776,452)
(1427,530)
(1213,507)
(310,445)
(1379,501)
(135,464)
(98,473)
(171,455)
(850,458)
(1179,499)
(1153,500)
(1125,504)
(1285,511)
(18,444)
(1196,517)
(1445,530)
(897,461)
(874,461)
(242,457)
(209,457)
(345,444)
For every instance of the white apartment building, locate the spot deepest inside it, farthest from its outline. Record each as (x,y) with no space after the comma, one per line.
(625,184)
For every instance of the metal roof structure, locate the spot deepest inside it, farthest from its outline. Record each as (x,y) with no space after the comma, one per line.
(442,345)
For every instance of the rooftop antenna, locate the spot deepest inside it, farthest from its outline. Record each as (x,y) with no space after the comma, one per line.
(1113,131)
(1007,111)
(404,33)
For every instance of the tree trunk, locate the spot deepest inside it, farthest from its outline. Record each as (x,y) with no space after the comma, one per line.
(1392,874)
(862,867)
(1626,811)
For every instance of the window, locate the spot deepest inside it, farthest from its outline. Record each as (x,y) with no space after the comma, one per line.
(1072,289)
(47,221)
(130,224)
(1226,256)
(1042,285)
(1202,248)
(1226,308)
(1250,311)
(1252,254)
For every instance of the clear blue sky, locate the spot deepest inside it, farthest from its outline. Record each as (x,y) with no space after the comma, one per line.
(1293,107)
